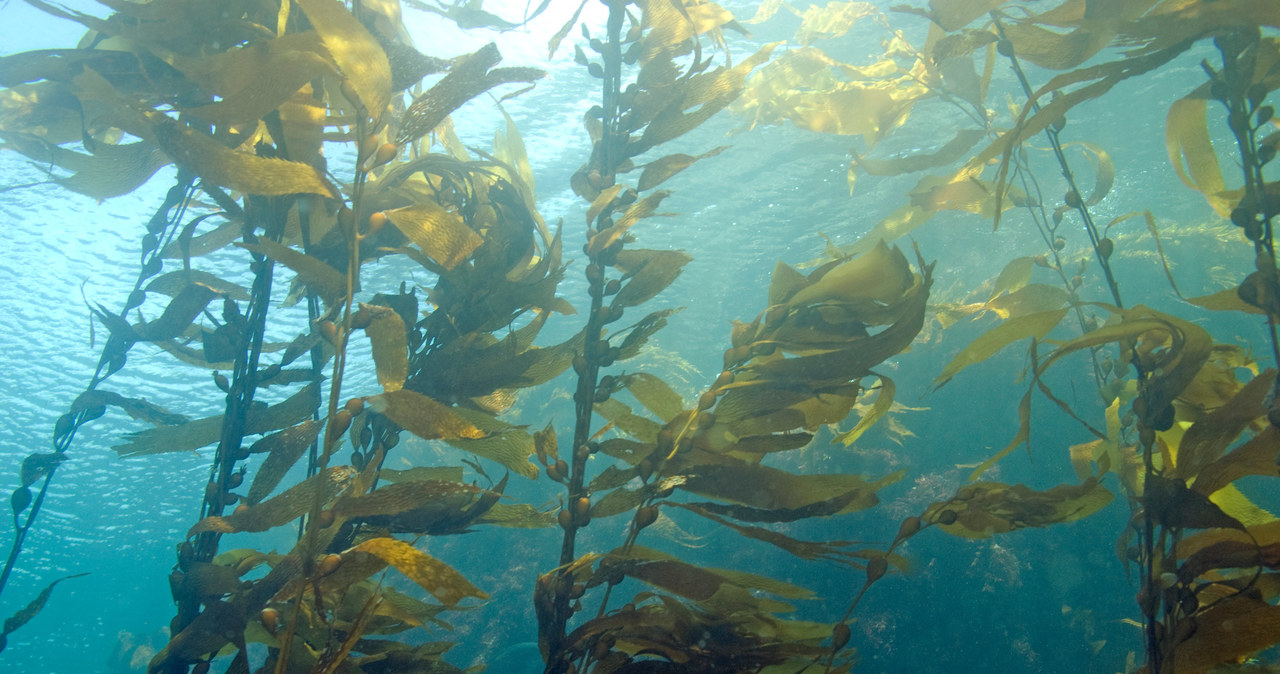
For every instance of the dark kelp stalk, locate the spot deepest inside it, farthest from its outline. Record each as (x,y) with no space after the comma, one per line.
(311,138)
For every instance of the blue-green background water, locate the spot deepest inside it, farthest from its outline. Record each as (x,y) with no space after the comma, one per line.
(1033,601)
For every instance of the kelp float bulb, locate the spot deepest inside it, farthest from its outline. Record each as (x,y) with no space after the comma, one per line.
(645,516)
(329,331)
(907,529)
(582,511)
(325,519)
(328,565)
(1072,199)
(376,222)
(840,636)
(612,287)
(946,517)
(706,401)
(1105,248)
(354,406)
(876,567)
(341,422)
(220,380)
(724,379)
(270,619)
(385,153)
(1059,243)
(565,519)
(236,479)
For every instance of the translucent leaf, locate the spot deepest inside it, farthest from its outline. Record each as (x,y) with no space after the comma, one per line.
(283,450)
(511,447)
(174,282)
(469,77)
(423,416)
(29,611)
(390,346)
(650,271)
(659,170)
(434,576)
(984,509)
(196,434)
(311,270)
(136,408)
(833,20)
(257,78)
(354,50)
(440,234)
(1034,326)
(219,165)
(884,402)
(655,395)
(953,150)
(281,509)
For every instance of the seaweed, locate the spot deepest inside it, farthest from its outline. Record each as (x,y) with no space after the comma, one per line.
(1178,419)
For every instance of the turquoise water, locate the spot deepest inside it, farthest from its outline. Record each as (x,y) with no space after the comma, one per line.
(1033,601)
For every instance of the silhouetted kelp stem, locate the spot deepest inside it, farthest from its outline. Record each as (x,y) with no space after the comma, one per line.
(1233,87)
(161,229)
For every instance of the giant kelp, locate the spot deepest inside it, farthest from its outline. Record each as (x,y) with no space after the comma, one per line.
(241,100)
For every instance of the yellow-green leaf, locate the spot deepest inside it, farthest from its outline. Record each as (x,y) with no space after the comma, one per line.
(440,234)
(433,575)
(354,50)
(1035,325)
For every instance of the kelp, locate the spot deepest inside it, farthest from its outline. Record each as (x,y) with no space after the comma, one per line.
(241,99)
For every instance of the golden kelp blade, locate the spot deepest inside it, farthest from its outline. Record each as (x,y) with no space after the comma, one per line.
(440,233)
(387,335)
(256,79)
(1034,326)
(434,576)
(196,434)
(984,509)
(354,50)
(423,416)
(327,281)
(283,450)
(469,77)
(239,171)
(278,510)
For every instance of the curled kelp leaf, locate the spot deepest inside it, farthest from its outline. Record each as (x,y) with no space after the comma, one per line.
(469,77)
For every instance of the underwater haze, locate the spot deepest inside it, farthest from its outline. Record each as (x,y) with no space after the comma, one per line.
(640,336)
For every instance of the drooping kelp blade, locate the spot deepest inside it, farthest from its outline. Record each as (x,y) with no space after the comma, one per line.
(219,165)
(1233,629)
(1035,326)
(278,510)
(434,576)
(387,337)
(196,434)
(313,271)
(983,509)
(29,611)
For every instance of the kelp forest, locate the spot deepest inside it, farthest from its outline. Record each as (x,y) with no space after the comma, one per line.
(410,353)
